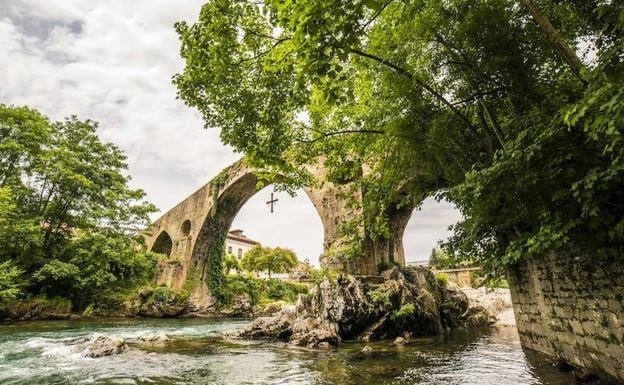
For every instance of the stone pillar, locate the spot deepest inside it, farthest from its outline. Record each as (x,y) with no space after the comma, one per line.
(387,251)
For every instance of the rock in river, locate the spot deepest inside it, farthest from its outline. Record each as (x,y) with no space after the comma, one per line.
(410,300)
(102,345)
(154,338)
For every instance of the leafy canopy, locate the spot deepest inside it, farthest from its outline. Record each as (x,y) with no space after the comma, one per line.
(475,102)
(269,259)
(68,219)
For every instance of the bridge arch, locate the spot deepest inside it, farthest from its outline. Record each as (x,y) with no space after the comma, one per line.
(209,246)
(185,228)
(200,223)
(163,244)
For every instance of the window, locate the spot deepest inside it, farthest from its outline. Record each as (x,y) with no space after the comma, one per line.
(229,249)
(240,253)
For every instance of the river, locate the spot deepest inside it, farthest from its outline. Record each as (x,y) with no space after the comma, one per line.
(45,353)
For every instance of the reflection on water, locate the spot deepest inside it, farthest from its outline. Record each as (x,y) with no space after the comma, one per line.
(45,353)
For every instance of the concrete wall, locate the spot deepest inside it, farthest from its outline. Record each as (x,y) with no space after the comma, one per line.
(572,309)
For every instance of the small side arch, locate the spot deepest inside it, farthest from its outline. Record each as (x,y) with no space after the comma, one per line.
(163,244)
(185,228)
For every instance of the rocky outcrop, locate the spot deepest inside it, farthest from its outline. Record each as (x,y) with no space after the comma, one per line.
(496,301)
(161,302)
(409,301)
(102,345)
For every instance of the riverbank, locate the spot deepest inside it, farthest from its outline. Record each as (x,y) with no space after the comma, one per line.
(243,296)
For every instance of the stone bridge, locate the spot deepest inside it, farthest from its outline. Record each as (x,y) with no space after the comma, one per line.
(195,230)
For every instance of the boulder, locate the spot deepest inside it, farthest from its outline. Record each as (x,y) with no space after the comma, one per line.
(154,338)
(278,326)
(102,345)
(399,341)
(367,350)
(410,302)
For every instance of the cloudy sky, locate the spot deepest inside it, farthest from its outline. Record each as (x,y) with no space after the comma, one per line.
(112,61)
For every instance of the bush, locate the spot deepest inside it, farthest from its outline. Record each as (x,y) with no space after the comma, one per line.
(237,285)
(379,299)
(161,301)
(260,290)
(40,307)
(442,279)
(319,275)
(404,314)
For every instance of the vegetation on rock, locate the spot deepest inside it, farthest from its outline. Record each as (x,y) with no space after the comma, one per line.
(410,300)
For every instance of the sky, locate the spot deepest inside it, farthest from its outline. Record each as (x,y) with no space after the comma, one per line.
(112,61)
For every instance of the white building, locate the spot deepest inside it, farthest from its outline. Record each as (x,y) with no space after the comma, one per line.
(237,244)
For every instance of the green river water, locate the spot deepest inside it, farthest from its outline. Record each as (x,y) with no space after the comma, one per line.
(46,353)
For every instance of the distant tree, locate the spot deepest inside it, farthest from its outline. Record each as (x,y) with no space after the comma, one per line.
(440,259)
(271,260)
(230,262)
(250,259)
(433,258)
(277,260)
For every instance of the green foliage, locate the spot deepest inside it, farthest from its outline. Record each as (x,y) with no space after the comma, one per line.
(261,290)
(214,264)
(404,314)
(161,301)
(67,216)
(442,279)
(237,285)
(318,275)
(230,262)
(440,258)
(285,291)
(469,101)
(379,299)
(272,260)
(11,282)
(36,307)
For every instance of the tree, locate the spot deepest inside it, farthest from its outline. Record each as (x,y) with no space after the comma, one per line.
(277,260)
(271,260)
(230,262)
(251,258)
(440,259)
(11,282)
(470,101)
(67,216)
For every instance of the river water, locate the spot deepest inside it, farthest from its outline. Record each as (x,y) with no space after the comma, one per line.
(46,353)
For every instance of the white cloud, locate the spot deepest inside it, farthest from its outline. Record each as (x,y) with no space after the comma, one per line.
(112,62)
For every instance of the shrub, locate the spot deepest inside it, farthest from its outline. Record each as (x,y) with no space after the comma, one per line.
(442,279)
(404,314)
(379,299)
(319,275)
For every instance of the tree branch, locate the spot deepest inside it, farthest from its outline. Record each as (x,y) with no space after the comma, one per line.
(409,75)
(326,135)
(555,38)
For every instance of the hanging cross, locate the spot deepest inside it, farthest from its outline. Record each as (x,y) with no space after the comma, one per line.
(272,201)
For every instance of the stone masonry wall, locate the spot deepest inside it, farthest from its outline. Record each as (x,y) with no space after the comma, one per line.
(572,309)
